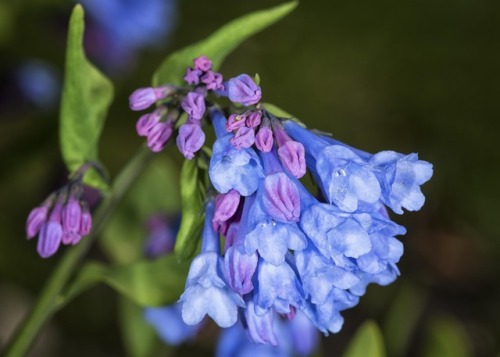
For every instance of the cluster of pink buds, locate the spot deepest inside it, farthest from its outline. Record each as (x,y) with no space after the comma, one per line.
(158,126)
(62,218)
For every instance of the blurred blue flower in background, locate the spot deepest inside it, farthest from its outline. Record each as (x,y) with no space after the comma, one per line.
(117,29)
(39,83)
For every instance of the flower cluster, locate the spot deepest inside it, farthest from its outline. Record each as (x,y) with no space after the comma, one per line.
(296,336)
(287,250)
(173,101)
(62,218)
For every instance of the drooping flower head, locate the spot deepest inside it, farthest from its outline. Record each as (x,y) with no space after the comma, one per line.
(287,252)
(63,218)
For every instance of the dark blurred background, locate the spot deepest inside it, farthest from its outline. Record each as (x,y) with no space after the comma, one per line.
(408,76)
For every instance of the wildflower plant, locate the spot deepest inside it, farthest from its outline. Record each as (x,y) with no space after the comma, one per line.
(256,251)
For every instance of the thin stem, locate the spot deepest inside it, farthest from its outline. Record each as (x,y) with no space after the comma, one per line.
(49,301)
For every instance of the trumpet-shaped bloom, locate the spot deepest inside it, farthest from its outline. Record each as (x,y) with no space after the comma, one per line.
(231,168)
(278,287)
(401,176)
(207,293)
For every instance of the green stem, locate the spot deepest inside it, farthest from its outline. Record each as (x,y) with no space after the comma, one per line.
(49,301)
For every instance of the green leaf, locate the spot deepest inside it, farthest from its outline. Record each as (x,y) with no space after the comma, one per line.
(367,342)
(86,97)
(402,318)
(280,113)
(155,191)
(147,283)
(218,45)
(193,210)
(446,337)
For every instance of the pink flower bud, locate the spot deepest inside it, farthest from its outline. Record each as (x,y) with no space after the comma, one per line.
(235,121)
(243,138)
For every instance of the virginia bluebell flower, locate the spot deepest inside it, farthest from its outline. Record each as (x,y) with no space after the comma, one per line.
(259,327)
(278,287)
(287,253)
(168,323)
(143,98)
(190,138)
(159,134)
(239,266)
(207,291)
(194,105)
(161,236)
(51,232)
(235,121)
(274,215)
(234,342)
(242,89)
(348,178)
(39,82)
(231,168)
(118,29)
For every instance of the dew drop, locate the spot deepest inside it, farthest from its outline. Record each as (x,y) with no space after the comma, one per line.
(340,172)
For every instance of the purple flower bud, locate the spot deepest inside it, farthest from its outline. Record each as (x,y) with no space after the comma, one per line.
(49,239)
(70,238)
(202,63)
(51,233)
(190,139)
(235,121)
(147,121)
(216,84)
(194,105)
(264,139)
(71,216)
(213,80)
(243,138)
(192,76)
(226,205)
(143,98)
(254,119)
(159,135)
(208,77)
(36,218)
(292,155)
(281,198)
(243,89)
(86,221)
(239,268)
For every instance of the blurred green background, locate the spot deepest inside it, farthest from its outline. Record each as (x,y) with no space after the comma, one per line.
(408,76)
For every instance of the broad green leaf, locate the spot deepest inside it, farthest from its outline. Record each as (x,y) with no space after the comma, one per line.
(86,97)
(367,342)
(148,283)
(193,210)
(218,45)
(155,191)
(446,337)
